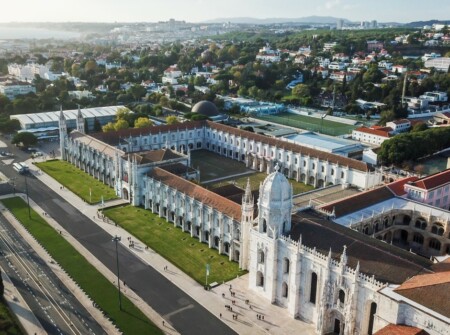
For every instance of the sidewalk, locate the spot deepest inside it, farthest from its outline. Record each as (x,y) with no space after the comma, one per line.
(276,320)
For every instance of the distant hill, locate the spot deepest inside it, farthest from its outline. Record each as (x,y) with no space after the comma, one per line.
(305,20)
(426,23)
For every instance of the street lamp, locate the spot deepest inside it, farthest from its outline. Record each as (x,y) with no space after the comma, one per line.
(117,239)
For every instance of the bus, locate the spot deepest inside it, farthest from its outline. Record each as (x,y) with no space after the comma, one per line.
(21,167)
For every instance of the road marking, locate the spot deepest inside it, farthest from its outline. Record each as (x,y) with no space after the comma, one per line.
(178,311)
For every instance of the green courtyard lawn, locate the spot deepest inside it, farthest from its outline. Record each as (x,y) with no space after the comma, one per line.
(310,123)
(256,179)
(212,165)
(130,319)
(78,181)
(177,247)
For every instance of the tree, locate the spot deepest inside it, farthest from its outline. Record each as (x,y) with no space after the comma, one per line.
(143,122)
(108,127)
(26,139)
(301,90)
(137,91)
(121,124)
(171,119)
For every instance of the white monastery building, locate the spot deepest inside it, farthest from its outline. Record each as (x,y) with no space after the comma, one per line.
(339,279)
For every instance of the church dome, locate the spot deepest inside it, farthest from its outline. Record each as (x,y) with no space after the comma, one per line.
(275,190)
(206,108)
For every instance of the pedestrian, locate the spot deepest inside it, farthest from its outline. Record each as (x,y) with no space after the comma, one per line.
(223,295)
(221,315)
(251,307)
(164,323)
(262,317)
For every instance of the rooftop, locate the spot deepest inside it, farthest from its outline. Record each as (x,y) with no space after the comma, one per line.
(385,262)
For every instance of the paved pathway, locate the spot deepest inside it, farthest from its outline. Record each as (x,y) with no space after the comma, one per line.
(276,320)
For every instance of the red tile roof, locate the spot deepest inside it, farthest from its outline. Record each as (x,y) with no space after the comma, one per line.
(400,330)
(398,187)
(116,137)
(430,290)
(197,192)
(379,131)
(433,181)
(295,148)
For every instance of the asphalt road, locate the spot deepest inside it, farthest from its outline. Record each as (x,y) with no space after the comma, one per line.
(182,312)
(58,311)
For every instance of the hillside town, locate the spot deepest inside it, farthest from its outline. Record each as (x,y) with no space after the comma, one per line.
(312,159)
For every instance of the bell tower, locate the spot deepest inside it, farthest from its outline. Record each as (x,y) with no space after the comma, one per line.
(80,121)
(248,210)
(62,133)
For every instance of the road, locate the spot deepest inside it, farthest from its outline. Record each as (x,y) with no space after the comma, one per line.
(53,304)
(182,312)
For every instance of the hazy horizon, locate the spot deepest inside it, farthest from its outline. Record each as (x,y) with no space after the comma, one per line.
(201,10)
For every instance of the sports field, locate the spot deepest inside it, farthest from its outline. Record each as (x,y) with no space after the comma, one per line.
(309,123)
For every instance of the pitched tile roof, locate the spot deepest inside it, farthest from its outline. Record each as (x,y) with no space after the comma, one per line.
(296,148)
(379,131)
(386,262)
(400,330)
(358,201)
(197,192)
(94,143)
(398,187)
(429,290)
(116,137)
(152,156)
(433,181)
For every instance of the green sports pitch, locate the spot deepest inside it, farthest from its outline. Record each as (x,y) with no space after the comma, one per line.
(309,123)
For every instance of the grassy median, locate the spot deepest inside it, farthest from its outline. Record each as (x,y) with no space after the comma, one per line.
(130,319)
(78,181)
(177,247)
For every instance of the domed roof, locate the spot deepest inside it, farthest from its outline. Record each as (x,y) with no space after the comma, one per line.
(275,189)
(206,108)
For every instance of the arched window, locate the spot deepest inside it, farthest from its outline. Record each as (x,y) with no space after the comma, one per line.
(373,310)
(284,290)
(434,230)
(313,291)
(286,265)
(341,296)
(259,279)
(264,227)
(434,244)
(418,238)
(261,257)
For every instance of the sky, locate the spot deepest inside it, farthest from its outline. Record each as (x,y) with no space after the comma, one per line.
(202,10)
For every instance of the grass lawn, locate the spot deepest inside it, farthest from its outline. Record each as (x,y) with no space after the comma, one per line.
(214,166)
(309,123)
(177,247)
(9,325)
(77,181)
(130,319)
(257,178)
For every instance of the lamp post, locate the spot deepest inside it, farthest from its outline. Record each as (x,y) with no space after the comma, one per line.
(28,197)
(117,239)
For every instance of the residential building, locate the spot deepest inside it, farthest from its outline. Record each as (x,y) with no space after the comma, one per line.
(399,126)
(433,190)
(372,135)
(12,88)
(171,74)
(441,64)
(374,45)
